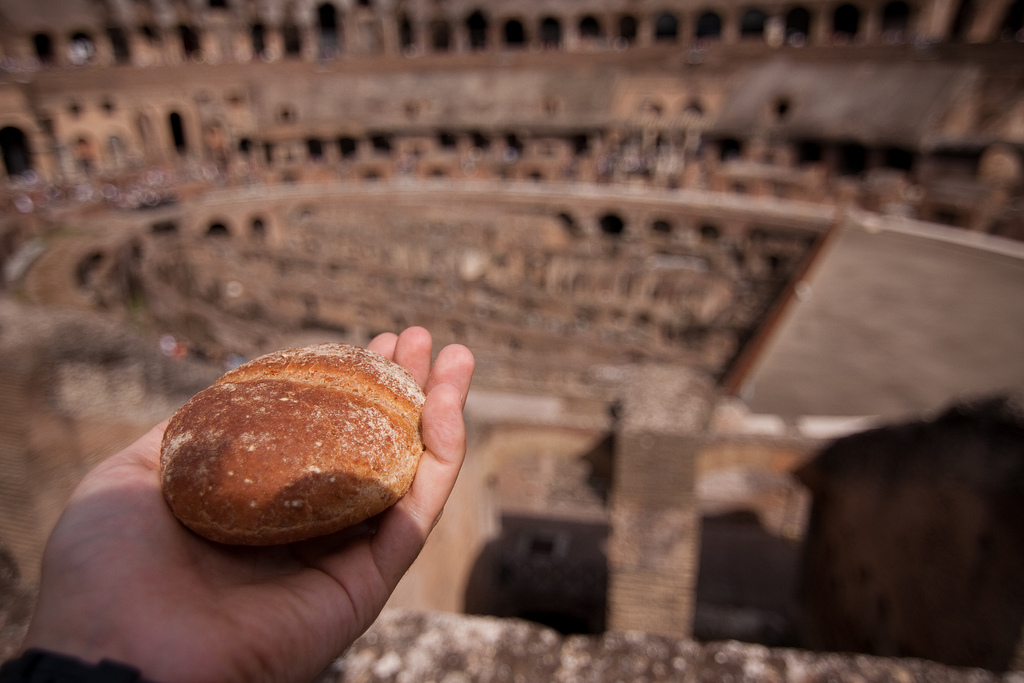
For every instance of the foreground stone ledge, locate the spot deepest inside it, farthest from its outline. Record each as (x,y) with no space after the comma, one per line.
(412,647)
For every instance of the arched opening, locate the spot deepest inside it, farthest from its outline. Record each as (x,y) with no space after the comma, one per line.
(245,147)
(259,40)
(895,22)
(177,132)
(845,23)
(752,23)
(808,152)
(164,227)
(119,44)
(44,47)
(611,224)
(590,29)
(550,33)
(1012,27)
(381,143)
(82,49)
(316,150)
(661,227)
(292,38)
(666,28)
(798,26)
(709,27)
(709,233)
(405,33)
(189,41)
(628,29)
(259,229)
(347,147)
(515,34)
(440,36)
(481,141)
(327,30)
(852,159)
(899,158)
(730,149)
(218,230)
(14,146)
(476,25)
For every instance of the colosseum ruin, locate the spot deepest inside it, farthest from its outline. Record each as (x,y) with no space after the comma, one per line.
(690,244)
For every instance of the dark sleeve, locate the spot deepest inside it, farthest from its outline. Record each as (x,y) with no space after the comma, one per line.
(40,666)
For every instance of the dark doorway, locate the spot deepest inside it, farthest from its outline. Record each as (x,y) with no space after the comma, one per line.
(178,132)
(476,24)
(14,145)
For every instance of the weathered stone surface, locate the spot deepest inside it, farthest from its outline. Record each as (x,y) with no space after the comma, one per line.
(447,648)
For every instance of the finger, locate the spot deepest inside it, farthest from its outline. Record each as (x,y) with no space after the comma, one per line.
(454,365)
(384,344)
(412,352)
(404,528)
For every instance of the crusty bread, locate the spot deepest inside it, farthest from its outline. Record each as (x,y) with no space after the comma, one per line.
(292,445)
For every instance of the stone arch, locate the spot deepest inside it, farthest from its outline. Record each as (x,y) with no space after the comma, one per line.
(82,49)
(218,227)
(628,29)
(328,27)
(406,33)
(709,26)
(440,35)
(550,32)
(710,232)
(44,48)
(176,125)
(119,44)
(798,26)
(752,23)
(476,27)
(515,33)
(845,22)
(1012,27)
(666,28)
(190,42)
(852,159)
(611,224)
(15,150)
(895,21)
(590,28)
(661,226)
(291,36)
(258,228)
(258,36)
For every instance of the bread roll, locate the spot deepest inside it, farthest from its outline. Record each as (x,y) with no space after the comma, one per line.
(292,445)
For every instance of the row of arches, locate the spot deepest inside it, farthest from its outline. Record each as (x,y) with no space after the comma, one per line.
(330,30)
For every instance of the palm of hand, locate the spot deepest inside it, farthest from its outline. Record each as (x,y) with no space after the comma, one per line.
(123,579)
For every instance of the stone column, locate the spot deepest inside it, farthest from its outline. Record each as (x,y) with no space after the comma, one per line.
(987,21)
(654,544)
(936,19)
(820,30)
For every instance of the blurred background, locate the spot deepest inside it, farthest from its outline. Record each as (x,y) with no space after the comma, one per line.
(744,280)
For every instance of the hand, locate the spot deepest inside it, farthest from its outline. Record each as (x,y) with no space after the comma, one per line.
(122,579)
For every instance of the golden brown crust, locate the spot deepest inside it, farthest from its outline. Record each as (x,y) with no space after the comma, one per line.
(293,445)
